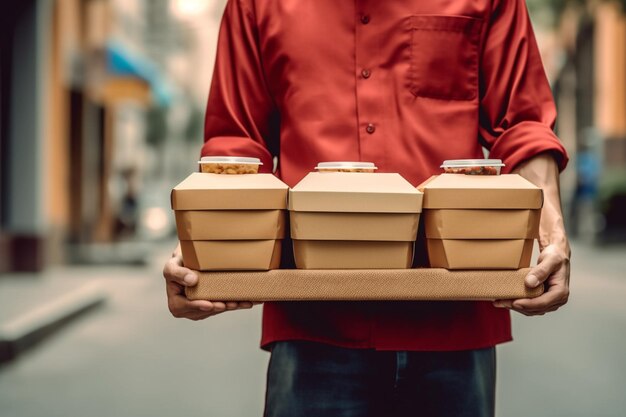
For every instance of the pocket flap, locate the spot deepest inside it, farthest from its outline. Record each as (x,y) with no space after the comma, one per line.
(465,24)
(444,56)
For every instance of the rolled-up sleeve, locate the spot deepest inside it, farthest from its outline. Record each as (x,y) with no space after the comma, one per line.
(517,110)
(240,107)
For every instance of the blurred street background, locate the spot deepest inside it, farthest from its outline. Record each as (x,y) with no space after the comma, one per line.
(101,114)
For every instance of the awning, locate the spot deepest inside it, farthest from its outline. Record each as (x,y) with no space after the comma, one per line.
(122,62)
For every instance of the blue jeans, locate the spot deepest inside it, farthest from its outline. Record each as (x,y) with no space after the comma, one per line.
(318,380)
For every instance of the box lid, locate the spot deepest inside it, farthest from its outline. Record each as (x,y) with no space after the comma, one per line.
(356,192)
(202,191)
(457,191)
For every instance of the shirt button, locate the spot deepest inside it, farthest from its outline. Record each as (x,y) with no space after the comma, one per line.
(370,128)
(365,19)
(366,73)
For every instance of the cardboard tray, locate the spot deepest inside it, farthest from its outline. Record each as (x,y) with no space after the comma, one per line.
(363,285)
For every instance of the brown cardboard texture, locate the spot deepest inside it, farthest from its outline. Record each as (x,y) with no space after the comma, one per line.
(202,191)
(362,284)
(230,224)
(352,192)
(224,255)
(457,191)
(354,220)
(481,222)
(400,227)
(346,254)
(479,253)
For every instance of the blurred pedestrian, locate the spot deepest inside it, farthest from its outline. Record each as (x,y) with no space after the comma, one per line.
(405,84)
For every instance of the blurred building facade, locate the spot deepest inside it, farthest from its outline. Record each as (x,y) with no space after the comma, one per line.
(589,82)
(102,104)
(101,101)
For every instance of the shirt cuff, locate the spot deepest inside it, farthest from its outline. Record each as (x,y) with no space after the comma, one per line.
(239,146)
(526,140)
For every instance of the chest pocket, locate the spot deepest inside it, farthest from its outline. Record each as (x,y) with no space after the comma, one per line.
(444,56)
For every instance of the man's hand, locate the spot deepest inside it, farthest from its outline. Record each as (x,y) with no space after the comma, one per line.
(177,277)
(553,268)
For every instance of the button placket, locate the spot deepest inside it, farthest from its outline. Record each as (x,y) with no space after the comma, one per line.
(371,142)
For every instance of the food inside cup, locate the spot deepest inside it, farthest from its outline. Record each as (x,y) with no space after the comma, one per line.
(473,166)
(346,167)
(231,165)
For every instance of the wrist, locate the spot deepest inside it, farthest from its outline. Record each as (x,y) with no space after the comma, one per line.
(559,245)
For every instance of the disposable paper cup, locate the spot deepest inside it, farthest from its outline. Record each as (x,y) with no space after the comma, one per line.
(473,166)
(346,167)
(232,165)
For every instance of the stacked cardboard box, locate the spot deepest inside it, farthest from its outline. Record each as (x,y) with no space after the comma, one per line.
(344,220)
(481,222)
(230,222)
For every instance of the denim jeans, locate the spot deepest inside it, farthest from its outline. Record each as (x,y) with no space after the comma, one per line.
(318,380)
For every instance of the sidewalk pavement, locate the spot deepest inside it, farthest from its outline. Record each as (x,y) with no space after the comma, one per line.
(34,306)
(129,357)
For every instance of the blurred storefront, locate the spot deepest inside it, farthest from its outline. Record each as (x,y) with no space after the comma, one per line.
(590,90)
(102,104)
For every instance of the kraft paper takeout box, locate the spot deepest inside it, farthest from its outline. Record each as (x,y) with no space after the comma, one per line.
(354,220)
(230,222)
(480,221)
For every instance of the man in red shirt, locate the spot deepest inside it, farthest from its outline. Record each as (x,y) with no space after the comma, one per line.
(405,84)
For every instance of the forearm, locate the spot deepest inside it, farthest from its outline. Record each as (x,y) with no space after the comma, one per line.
(240,108)
(543,171)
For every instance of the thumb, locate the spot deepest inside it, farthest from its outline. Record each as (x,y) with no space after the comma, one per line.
(533,279)
(174,271)
(548,263)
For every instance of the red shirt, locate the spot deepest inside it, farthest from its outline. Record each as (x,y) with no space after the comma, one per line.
(403,83)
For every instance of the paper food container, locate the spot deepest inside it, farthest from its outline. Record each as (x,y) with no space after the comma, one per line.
(354,220)
(344,166)
(230,222)
(472,166)
(229,165)
(480,222)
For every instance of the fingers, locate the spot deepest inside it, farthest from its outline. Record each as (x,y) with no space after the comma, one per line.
(550,301)
(503,304)
(542,305)
(178,277)
(557,288)
(555,297)
(238,305)
(218,309)
(205,311)
(181,307)
(174,271)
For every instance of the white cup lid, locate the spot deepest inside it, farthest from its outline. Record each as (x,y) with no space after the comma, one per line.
(239,160)
(345,165)
(464,163)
